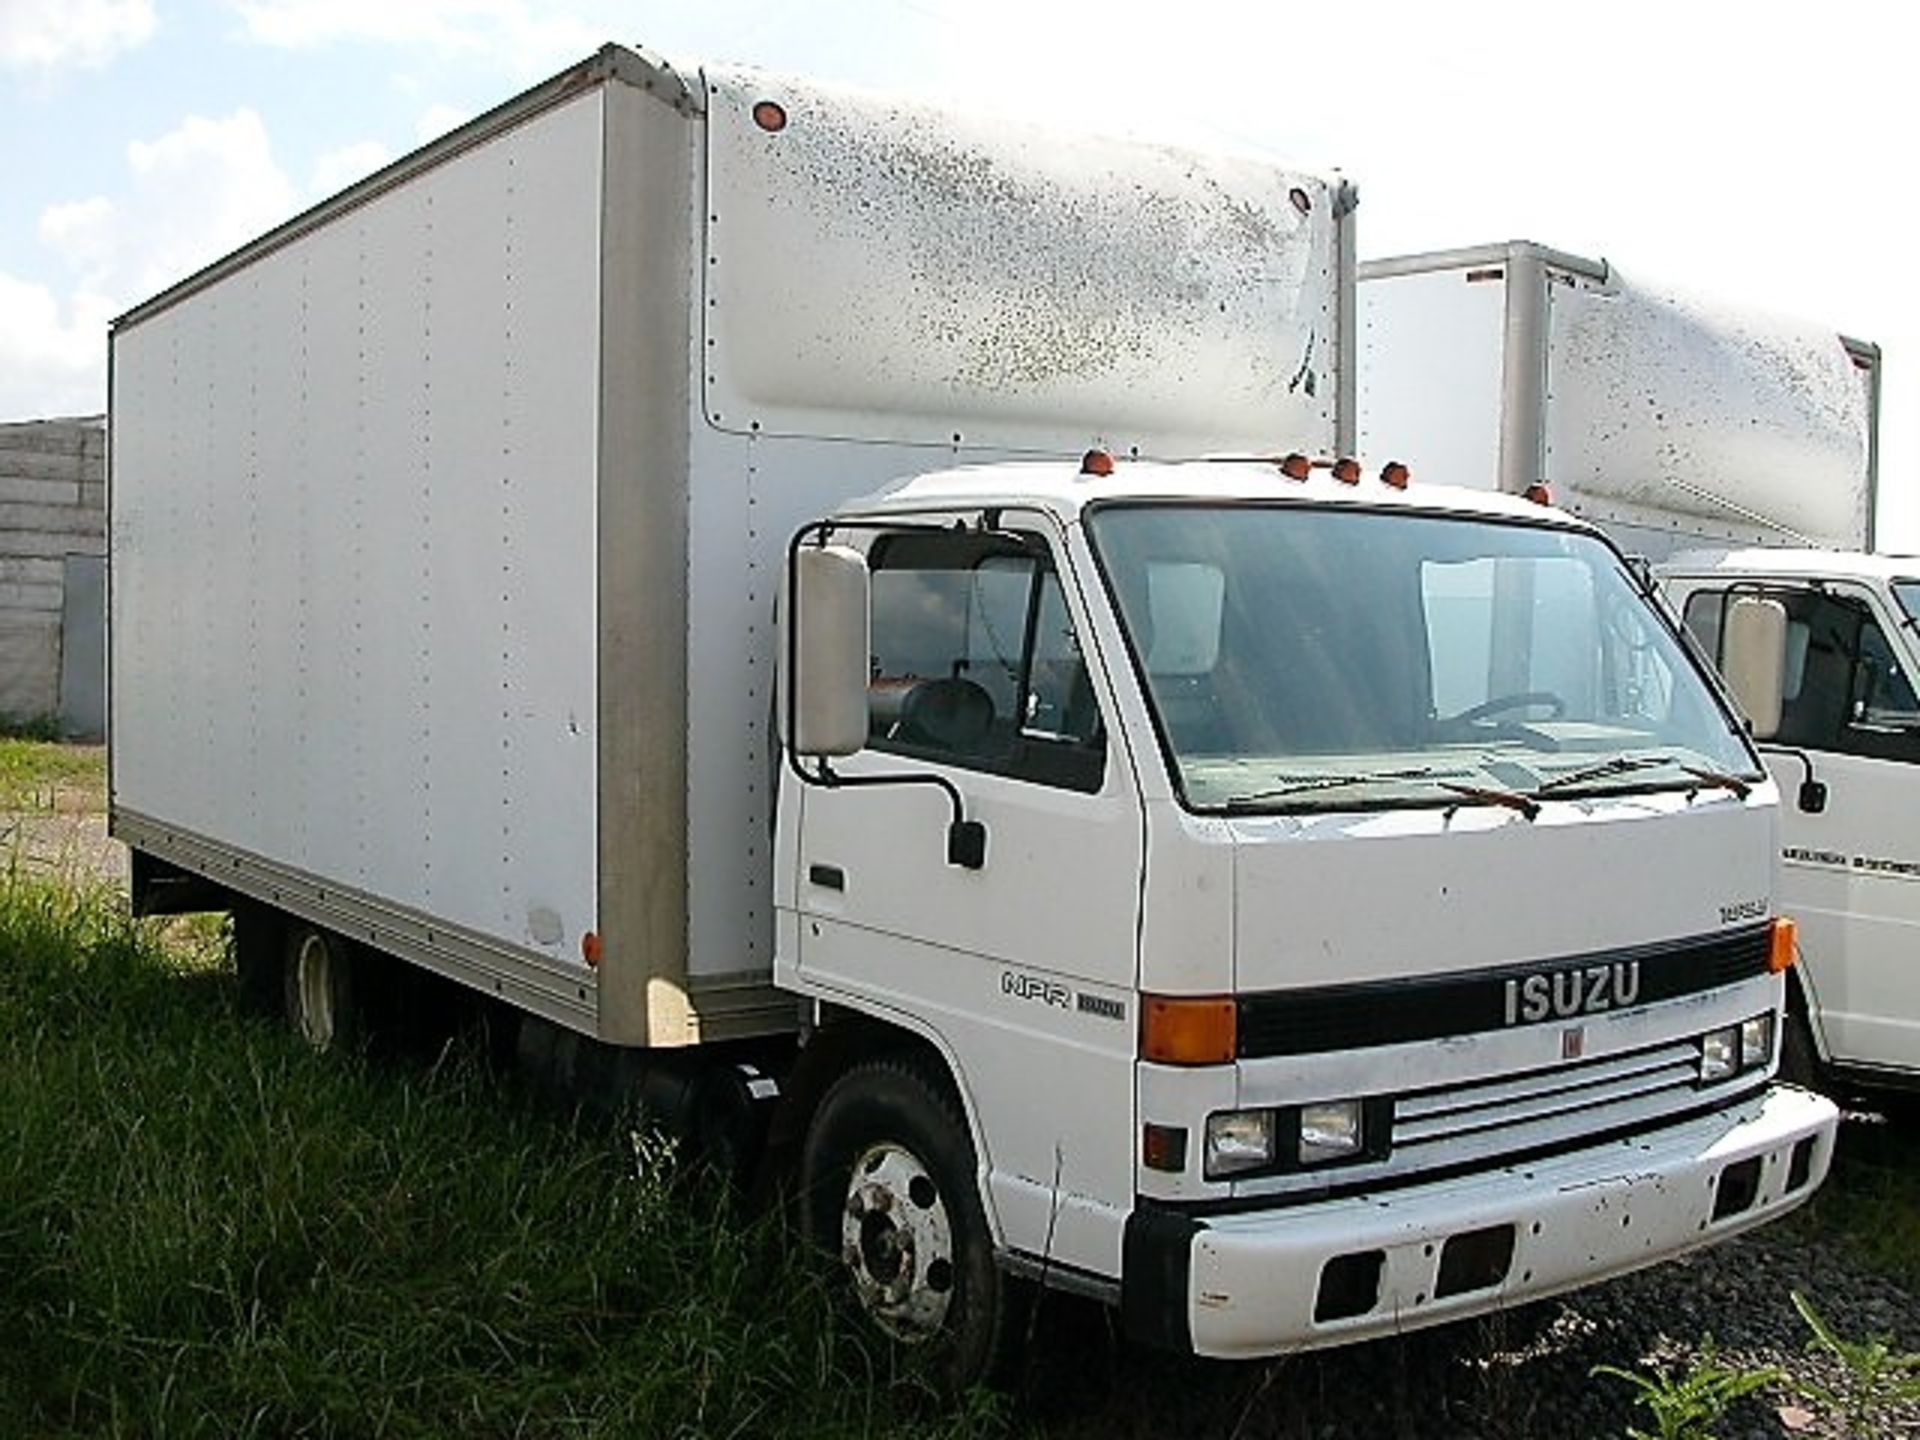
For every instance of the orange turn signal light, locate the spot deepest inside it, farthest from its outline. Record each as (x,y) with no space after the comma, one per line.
(1296,466)
(1178,1030)
(1395,474)
(1538,493)
(770,116)
(1347,470)
(590,949)
(1786,936)
(1096,462)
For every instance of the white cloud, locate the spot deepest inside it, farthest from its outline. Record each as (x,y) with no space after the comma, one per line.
(340,168)
(527,33)
(438,120)
(53,357)
(49,35)
(198,191)
(194,193)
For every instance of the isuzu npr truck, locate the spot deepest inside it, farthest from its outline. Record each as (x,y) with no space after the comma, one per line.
(1739,451)
(854,621)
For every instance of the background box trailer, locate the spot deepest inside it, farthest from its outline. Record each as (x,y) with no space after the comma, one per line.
(447,518)
(1668,419)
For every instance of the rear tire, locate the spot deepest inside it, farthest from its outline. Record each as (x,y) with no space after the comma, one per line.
(318,988)
(887,1186)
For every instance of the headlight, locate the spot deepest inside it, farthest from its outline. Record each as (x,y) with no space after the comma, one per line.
(1238,1140)
(1331,1130)
(1719,1054)
(1756,1042)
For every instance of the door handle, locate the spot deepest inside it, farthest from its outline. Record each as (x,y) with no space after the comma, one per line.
(827,877)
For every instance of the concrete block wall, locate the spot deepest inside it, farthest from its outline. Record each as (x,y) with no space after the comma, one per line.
(53,503)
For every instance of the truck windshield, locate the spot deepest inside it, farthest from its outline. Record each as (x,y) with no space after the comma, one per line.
(1301,659)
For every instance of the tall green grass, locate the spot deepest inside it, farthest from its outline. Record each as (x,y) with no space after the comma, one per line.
(204,1229)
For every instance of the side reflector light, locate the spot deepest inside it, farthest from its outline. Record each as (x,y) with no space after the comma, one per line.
(1180,1031)
(1786,935)
(1395,474)
(1164,1148)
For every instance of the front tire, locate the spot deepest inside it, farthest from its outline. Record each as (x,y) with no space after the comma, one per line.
(887,1181)
(319,995)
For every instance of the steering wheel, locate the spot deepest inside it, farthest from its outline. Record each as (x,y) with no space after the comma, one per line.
(1500,704)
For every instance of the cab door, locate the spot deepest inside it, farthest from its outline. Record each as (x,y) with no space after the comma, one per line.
(1021,970)
(1850,874)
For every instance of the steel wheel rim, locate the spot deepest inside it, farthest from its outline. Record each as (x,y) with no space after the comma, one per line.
(896,1238)
(313,981)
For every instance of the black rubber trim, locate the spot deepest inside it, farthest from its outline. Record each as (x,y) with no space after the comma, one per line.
(1387,1184)
(1394,1012)
(1156,1260)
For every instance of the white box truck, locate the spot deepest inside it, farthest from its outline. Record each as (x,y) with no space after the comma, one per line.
(1739,450)
(1186,881)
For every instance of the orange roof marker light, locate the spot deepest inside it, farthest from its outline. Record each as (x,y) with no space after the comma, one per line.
(1538,493)
(1097,462)
(1395,474)
(1347,470)
(770,116)
(1296,466)
(590,949)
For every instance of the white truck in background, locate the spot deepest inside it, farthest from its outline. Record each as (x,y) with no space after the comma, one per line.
(1739,452)
(1198,883)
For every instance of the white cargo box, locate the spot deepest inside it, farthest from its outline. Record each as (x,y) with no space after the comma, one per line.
(446,519)
(1664,417)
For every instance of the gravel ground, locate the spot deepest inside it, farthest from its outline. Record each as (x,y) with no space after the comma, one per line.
(1528,1374)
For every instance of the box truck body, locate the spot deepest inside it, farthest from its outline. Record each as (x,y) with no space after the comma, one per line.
(1207,910)
(1740,451)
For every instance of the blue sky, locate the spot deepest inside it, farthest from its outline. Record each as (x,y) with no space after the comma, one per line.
(1751,151)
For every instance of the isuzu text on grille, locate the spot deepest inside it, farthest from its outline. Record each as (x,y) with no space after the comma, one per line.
(1573,992)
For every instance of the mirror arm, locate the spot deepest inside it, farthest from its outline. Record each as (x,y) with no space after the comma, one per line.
(1813,792)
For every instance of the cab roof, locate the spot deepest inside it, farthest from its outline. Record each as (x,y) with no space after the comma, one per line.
(1065,490)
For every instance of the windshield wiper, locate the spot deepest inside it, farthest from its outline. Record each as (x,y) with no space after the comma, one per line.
(1618,765)
(1512,799)
(1720,779)
(1308,784)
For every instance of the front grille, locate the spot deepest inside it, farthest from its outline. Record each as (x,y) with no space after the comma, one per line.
(1480,1119)
(1392,1012)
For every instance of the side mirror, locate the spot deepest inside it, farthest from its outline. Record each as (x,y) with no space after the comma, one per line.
(1753,657)
(830,651)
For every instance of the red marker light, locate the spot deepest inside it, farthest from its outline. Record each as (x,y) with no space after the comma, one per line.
(1347,470)
(1096,462)
(1296,466)
(1538,493)
(1395,474)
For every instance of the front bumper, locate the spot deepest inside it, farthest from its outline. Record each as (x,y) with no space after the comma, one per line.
(1270,1281)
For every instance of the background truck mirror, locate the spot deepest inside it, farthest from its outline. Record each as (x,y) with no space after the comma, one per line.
(831,650)
(1754,659)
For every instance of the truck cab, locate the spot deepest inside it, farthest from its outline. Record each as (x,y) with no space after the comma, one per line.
(1846,747)
(1287,997)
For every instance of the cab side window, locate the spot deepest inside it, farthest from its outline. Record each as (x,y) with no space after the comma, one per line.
(1844,689)
(976,661)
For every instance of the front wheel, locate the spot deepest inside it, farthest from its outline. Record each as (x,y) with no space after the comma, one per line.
(887,1181)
